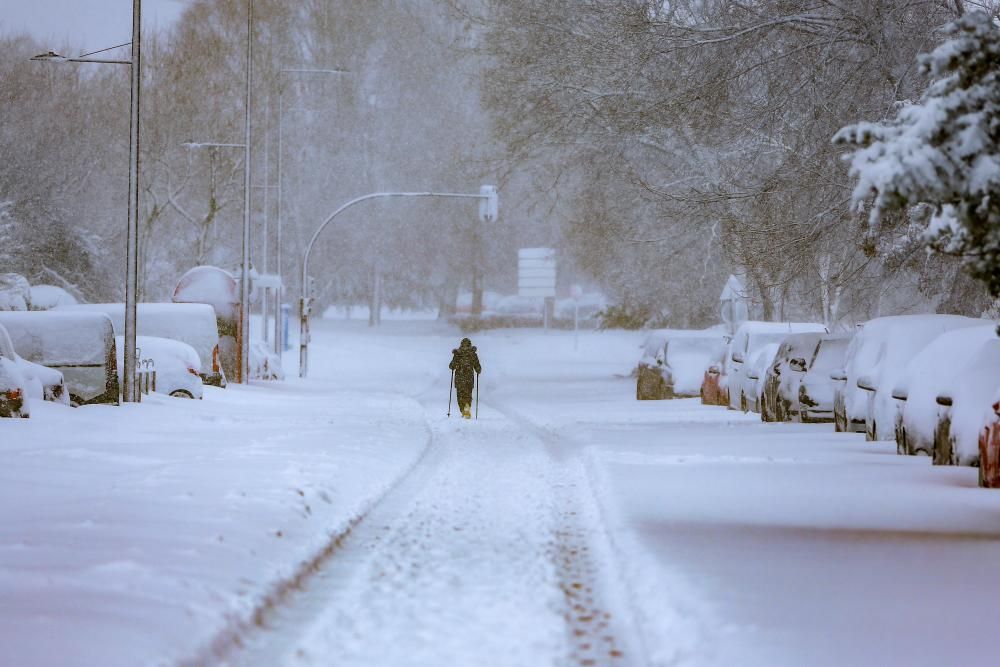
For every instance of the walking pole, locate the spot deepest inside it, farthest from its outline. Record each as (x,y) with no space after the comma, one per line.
(450,385)
(477,395)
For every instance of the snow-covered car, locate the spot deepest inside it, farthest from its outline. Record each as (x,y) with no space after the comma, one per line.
(219,289)
(13,390)
(936,370)
(515,311)
(816,388)
(649,381)
(47,297)
(989,447)
(177,365)
(966,407)
(191,323)
(756,373)
(892,348)
(674,361)
(687,356)
(750,337)
(37,381)
(779,398)
(585,309)
(79,345)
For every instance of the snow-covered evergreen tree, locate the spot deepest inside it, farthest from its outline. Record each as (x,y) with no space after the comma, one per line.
(943,151)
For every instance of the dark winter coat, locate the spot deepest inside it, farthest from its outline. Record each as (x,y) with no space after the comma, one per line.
(465,362)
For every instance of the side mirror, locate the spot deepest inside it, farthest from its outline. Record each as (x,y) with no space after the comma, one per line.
(900,393)
(798,365)
(713,369)
(738,357)
(839,376)
(996,408)
(865,382)
(944,400)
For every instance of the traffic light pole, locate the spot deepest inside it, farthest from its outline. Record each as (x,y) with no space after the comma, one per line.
(488,211)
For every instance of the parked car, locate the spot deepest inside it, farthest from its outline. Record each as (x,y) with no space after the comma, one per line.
(191,323)
(649,381)
(930,373)
(897,344)
(673,362)
(757,372)
(687,356)
(750,337)
(14,389)
(715,381)
(44,383)
(178,368)
(989,447)
(816,388)
(47,297)
(779,398)
(78,345)
(221,290)
(965,407)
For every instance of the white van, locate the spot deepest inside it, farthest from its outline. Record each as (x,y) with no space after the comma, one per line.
(80,345)
(191,323)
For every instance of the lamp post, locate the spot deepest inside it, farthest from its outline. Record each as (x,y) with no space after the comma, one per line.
(132,243)
(245,277)
(488,212)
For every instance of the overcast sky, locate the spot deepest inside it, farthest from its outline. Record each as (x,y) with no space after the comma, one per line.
(87,24)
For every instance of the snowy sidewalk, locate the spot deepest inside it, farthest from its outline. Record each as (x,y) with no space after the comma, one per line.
(138,535)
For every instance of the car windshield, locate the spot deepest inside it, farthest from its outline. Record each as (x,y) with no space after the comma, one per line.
(830,355)
(682,347)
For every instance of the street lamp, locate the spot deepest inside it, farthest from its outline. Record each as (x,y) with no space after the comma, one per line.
(132,242)
(488,212)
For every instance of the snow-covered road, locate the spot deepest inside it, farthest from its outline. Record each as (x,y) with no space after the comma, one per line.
(569,525)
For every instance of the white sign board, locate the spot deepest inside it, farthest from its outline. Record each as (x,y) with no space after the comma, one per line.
(536,272)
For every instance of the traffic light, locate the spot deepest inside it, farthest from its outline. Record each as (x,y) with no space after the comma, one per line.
(489,205)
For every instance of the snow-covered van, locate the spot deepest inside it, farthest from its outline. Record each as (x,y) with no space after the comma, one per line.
(191,323)
(80,345)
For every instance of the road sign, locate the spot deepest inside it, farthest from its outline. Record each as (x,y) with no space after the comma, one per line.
(536,272)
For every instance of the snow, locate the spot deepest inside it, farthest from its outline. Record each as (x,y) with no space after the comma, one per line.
(136,535)
(212,285)
(191,323)
(819,386)
(931,372)
(47,297)
(750,337)
(688,357)
(901,340)
(77,344)
(15,292)
(155,533)
(971,390)
(177,364)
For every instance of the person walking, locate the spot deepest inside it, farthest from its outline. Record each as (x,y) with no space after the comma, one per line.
(465,362)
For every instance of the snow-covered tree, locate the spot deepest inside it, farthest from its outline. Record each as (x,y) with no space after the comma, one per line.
(943,151)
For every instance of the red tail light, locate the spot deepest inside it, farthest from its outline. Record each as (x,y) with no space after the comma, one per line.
(215,359)
(13,394)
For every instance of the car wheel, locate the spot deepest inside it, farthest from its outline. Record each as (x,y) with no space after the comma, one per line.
(982,476)
(181,393)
